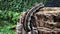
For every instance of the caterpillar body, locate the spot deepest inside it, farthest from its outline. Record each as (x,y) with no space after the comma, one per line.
(25,20)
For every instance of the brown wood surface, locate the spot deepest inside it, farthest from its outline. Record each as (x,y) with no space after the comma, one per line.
(50,9)
(48,20)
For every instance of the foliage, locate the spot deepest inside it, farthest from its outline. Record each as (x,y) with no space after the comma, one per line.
(18,5)
(6,29)
(7,20)
(9,16)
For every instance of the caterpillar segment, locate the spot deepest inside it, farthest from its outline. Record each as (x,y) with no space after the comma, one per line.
(30,13)
(25,20)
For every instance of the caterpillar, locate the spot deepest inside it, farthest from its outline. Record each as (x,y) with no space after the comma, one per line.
(28,16)
(25,20)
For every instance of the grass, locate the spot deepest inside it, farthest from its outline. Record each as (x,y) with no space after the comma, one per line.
(7,20)
(5,29)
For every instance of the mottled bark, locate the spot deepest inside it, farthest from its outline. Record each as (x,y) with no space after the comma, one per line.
(47,21)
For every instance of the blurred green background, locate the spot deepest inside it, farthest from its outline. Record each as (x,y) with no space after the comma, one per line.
(10,10)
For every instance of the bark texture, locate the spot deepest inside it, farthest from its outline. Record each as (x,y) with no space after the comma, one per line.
(47,21)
